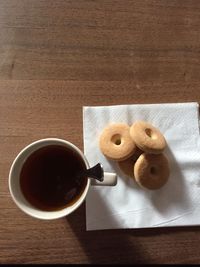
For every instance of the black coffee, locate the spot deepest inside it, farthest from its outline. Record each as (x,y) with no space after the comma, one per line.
(49,180)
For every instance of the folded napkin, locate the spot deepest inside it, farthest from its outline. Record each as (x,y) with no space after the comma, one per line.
(126,205)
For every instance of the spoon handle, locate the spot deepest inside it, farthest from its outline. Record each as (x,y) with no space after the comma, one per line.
(96,172)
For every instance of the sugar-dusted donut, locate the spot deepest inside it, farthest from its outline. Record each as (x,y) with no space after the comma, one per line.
(115,142)
(151,171)
(147,137)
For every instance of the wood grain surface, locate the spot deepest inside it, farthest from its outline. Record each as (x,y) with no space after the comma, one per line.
(57,56)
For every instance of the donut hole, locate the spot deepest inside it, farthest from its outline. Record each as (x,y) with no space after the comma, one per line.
(153,170)
(116,139)
(150,133)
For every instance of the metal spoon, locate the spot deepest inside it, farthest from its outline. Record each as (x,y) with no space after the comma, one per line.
(95,172)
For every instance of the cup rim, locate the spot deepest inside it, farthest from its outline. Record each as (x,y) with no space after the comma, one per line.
(47,215)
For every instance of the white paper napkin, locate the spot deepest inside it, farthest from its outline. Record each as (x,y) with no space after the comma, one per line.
(126,205)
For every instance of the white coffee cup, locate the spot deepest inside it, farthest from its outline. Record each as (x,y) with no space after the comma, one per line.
(21,201)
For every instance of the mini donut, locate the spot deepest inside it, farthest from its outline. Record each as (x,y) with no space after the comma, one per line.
(115,142)
(147,137)
(151,171)
(127,166)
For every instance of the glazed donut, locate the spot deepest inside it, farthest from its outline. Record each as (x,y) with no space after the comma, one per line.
(127,166)
(147,137)
(151,171)
(115,142)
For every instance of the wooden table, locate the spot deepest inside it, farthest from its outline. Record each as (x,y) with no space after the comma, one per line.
(55,57)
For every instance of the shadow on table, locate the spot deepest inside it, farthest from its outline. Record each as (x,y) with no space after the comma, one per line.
(118,245)
(104,246)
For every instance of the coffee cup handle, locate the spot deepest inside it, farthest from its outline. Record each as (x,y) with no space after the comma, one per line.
(110,179)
